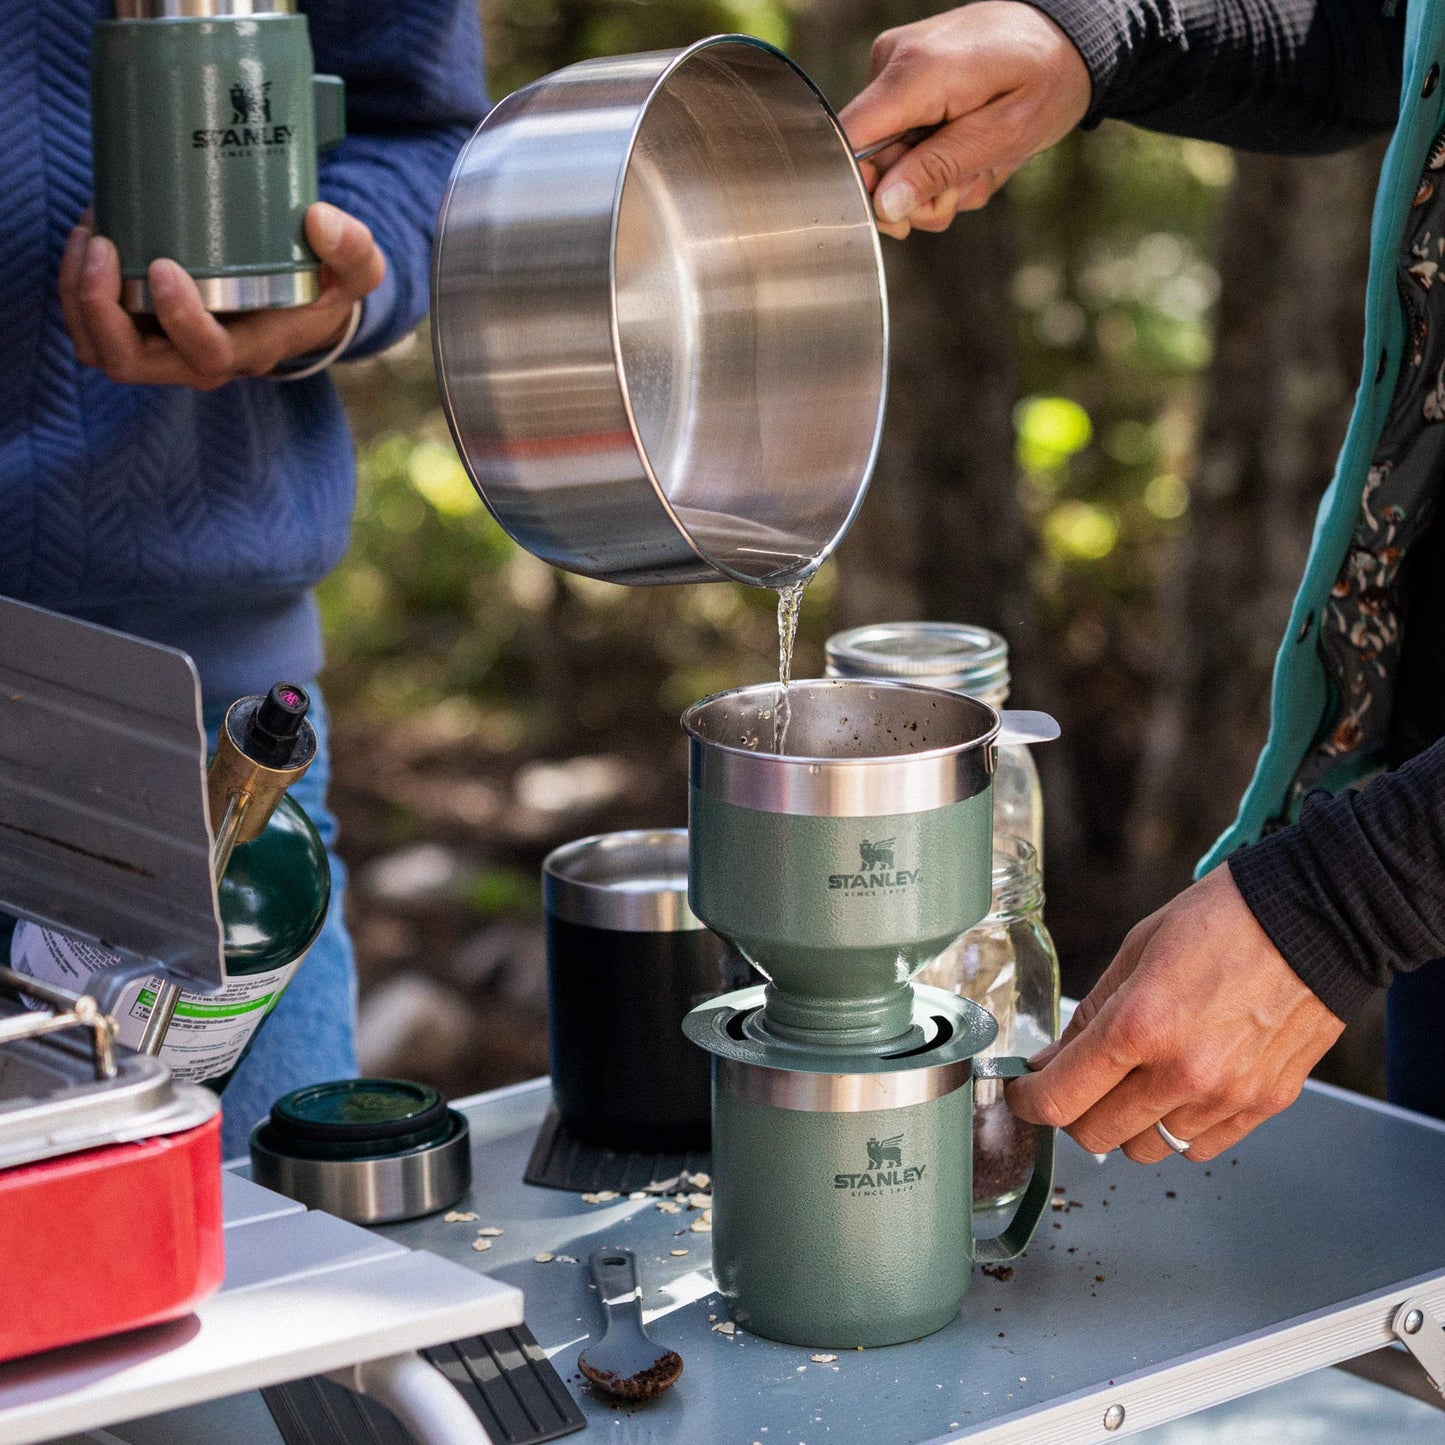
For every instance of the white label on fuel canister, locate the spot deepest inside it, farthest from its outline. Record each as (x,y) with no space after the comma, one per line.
(209,1030)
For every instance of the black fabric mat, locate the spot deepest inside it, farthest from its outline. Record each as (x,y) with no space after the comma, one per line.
(561,1161)
(506,1379)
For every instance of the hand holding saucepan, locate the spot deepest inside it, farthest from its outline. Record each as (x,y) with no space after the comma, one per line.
(1001,81)
(1198,1024)
(195,348)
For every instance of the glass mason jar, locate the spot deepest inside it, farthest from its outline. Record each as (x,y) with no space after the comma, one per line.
(1006,964)
(961,658)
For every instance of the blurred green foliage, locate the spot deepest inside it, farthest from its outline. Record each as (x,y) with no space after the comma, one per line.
(1113,293)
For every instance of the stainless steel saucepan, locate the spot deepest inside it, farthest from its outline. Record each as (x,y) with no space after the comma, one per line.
(659,317)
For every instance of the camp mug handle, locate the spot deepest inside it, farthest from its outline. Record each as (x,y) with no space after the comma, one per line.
(1020,1229)
(329,97)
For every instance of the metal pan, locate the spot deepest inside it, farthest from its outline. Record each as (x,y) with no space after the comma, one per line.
(659,317)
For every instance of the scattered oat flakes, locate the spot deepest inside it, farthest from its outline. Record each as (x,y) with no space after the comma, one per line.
(638,1194)
(602,1196)
(678,1253)
(668,1207)
(726,1327)
(702,1180)
(542,1259)
(481,1244)
(490,1231)
(823,1359)
(565,1258)
(458,1216)
(700,1201)
(700,1226)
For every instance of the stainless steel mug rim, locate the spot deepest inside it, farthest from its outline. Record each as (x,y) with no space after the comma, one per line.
(812,1093)
(842,787)
(200,9)
(596,882)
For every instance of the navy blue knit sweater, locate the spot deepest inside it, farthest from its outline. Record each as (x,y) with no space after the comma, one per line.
(204,520)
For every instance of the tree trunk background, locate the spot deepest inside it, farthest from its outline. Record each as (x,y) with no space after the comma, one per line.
(1293,257)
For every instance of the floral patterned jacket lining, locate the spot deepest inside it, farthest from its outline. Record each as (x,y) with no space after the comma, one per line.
(1362,633)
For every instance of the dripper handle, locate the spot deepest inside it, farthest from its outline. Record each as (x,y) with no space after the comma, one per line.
(1014,1238)
(1018,726)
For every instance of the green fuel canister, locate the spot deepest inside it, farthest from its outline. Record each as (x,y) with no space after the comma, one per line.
(274,891)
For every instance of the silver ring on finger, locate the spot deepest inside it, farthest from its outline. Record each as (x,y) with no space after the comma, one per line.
(1178,1145)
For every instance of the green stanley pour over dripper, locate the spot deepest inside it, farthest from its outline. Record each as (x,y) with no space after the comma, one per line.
(842,1095)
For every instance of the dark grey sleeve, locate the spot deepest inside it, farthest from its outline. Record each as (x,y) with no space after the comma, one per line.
(1354,891)
(1286,76)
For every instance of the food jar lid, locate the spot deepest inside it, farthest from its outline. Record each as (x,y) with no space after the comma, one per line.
(352,1118)
(374,1151)
(955,655)
(634,882)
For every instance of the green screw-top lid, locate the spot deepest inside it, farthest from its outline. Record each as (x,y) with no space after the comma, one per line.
(353,1118)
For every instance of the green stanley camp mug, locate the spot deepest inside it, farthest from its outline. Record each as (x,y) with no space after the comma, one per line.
(206,120)
(842,1190)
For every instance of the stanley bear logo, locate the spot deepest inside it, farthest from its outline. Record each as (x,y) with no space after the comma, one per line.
(885,1169)
(877,870)
(250,128)
(885,1152)
(251,102)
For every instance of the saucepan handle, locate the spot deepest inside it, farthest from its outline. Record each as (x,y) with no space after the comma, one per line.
(1014,1238)
(1017,726)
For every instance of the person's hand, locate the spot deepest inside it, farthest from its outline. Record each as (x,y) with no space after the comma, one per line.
(1199,1023)
(195,348)
(999,76)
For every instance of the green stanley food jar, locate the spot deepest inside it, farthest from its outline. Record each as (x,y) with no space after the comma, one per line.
(206,118)
(274,893)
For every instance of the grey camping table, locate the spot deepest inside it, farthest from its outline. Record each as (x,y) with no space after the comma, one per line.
(1148,1294)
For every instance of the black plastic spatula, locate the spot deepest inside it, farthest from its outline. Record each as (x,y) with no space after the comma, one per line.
(626,1362)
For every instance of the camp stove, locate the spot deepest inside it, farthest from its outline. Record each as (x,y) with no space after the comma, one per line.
(110,1184)
(110,1179)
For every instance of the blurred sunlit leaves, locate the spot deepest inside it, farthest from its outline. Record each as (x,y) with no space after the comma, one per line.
(1049,430)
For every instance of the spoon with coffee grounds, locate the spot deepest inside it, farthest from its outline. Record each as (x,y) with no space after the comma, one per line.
(626,1362)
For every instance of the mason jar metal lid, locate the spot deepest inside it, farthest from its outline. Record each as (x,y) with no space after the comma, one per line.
(635,882)
(954,655)
(200,9)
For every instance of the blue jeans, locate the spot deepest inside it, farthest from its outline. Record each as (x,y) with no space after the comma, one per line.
(1415,1039)
(310,1036)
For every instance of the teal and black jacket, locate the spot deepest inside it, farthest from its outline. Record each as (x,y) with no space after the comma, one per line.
(1339,844)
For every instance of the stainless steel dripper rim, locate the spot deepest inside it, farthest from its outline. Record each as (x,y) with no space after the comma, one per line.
(857,748)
